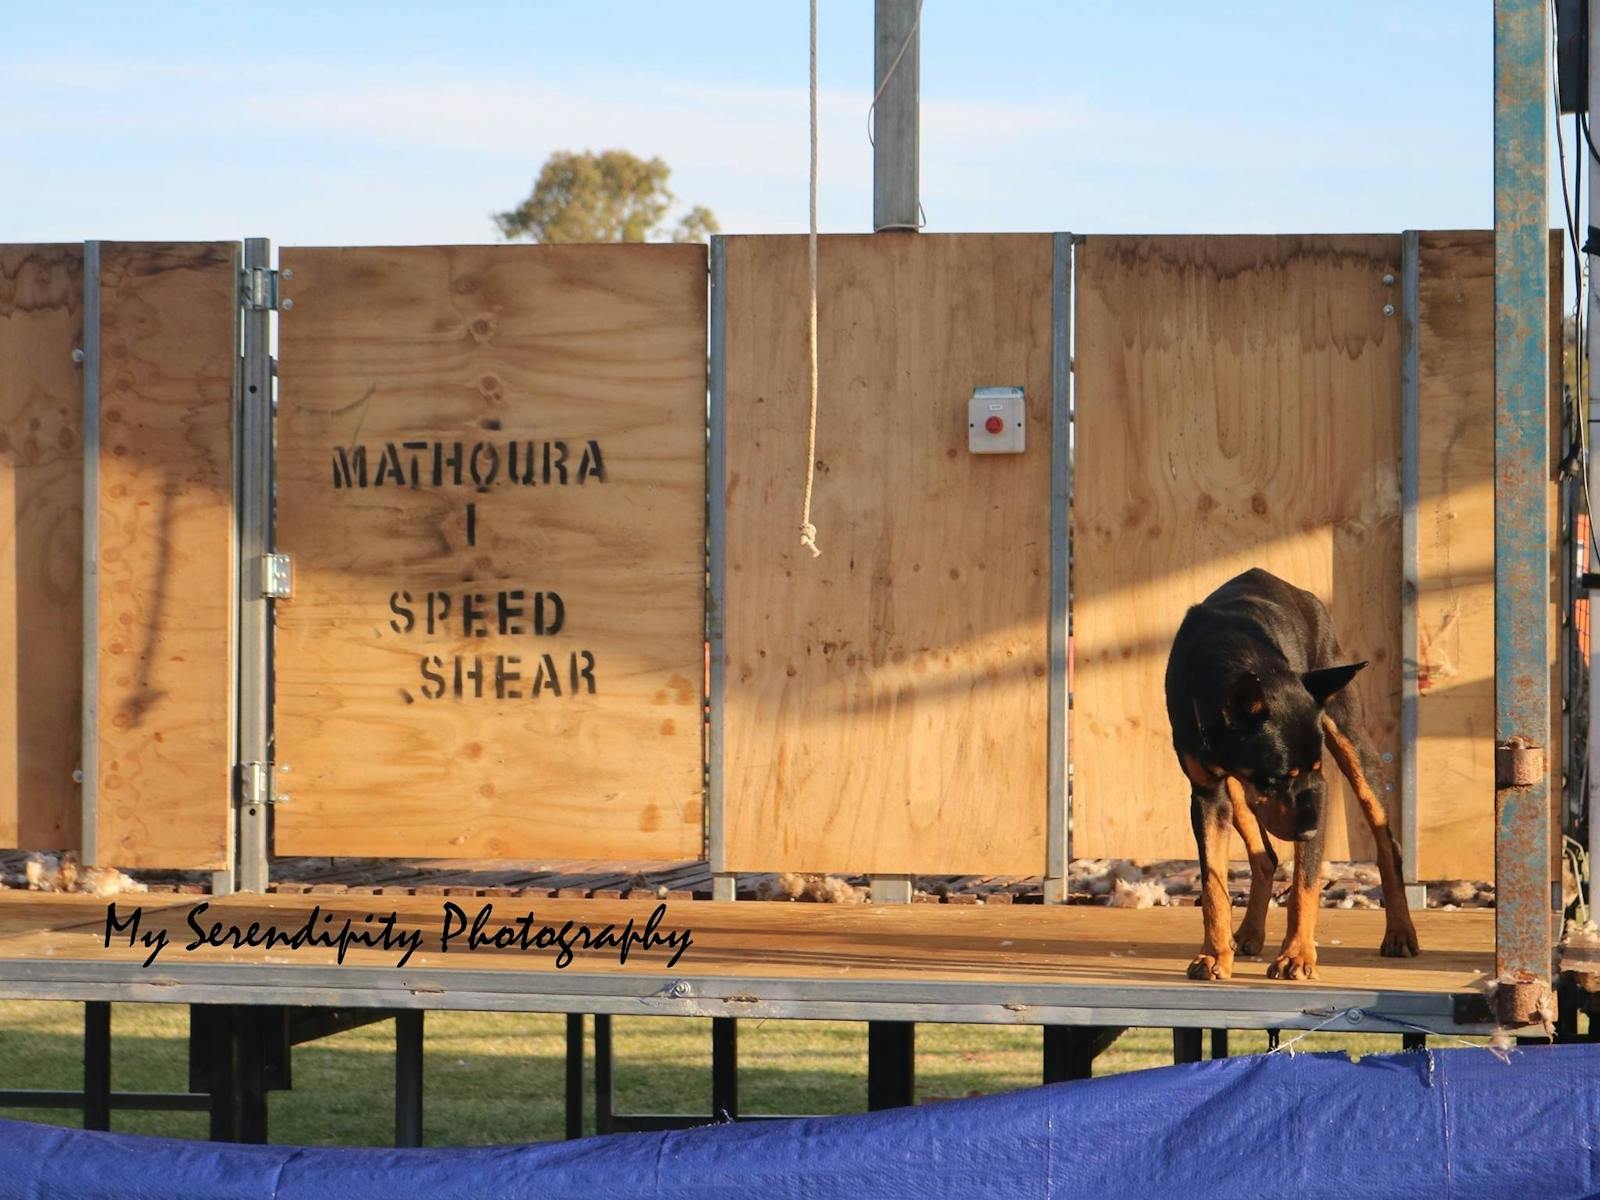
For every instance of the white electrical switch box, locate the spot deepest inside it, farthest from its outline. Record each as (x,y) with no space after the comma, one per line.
(996,421)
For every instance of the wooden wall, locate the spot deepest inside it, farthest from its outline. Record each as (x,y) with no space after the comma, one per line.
(886,703)
(1320,376)
(560,348)
(169,353)
(41,544)
(1238,405)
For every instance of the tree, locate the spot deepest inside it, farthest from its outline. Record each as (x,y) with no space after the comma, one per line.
(613,196)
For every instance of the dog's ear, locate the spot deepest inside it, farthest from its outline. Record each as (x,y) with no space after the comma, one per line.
(1246,702)
(1326,683)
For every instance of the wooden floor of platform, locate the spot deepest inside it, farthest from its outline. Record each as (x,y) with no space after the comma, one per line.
(1032,964)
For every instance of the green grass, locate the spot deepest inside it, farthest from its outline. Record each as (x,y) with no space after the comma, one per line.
(498,1077)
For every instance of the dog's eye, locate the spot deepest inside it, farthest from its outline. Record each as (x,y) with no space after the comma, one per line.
(1294,772)
(1317,766)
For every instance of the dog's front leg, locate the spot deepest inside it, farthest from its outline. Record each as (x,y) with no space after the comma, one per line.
(1252,934)
(1346,739)
(1210,813)
(1298,957)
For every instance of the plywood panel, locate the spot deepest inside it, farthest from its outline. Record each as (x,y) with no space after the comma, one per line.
(41,538)
(567,541)
(886,703)
(168,359)
(1238,405)
(1455,607)
(1030,944)
(1455,526)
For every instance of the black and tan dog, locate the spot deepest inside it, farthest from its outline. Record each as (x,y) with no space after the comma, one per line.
(1256,687)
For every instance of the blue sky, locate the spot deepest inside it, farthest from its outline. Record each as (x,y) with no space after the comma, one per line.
(408,122)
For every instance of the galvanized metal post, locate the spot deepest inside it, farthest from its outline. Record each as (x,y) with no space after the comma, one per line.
(723,883)
(89,770)
(1521,451)
(896,116)
(254,533)
(1058,837)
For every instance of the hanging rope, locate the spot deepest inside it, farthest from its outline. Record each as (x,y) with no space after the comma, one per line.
(872,109)
(808,531)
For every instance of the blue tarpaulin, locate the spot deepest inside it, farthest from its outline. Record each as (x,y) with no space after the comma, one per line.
(1455,1123)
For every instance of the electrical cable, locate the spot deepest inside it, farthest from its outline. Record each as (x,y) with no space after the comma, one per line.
(1576,405)
(1579,401)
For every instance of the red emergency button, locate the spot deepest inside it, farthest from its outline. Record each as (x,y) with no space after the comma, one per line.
(994,424)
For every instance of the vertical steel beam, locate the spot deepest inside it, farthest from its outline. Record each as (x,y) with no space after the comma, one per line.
(97,1064)
(896,117)
(408,1044)
(716,564)
(254,535)
(574,1075)
(1521,453)
(235,1074)
(1187,1046)
(1410,553)
(724,1068)
(605,1120)
(1058,836)
(1070,1050)
(891,1065)
(1219,1043)
(89,771)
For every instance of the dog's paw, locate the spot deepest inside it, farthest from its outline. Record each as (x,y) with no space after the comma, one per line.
(1294,963)
(1249,939)
(1211,966)
(1399,940)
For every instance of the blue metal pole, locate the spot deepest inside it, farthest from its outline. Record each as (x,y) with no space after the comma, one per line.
(1521,454)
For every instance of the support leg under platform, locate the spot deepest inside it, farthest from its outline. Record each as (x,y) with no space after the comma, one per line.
(97,1064)
(725,1068)
(574,1075)
(1070,1050)
(891,1064)
(228,1060)
(408,1030)
(1187,1045)
(604,1099)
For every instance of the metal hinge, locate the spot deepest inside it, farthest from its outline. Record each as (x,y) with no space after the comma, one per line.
(259,287)
(274,577)
(255,784)
(1518,763)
